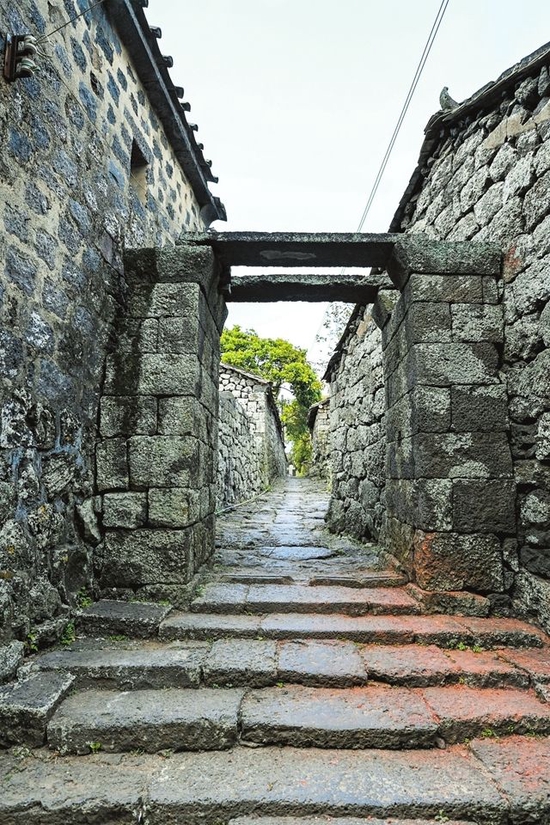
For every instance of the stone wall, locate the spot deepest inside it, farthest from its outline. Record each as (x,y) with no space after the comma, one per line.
(319,427)
(485,175)
(357,430)
(89,167)
(251,452)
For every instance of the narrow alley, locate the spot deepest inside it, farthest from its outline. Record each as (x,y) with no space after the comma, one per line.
(305,684)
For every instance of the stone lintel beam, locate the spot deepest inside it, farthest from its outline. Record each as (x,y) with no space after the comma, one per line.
(297,248)
(419,254)
(307,287)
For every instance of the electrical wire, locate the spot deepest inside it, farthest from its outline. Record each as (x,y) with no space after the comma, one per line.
(419,69)
(68,23)
(412,88)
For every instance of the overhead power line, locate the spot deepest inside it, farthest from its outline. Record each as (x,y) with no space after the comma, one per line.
(422,62)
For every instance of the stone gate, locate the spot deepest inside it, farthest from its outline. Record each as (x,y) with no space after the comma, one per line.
(450,490)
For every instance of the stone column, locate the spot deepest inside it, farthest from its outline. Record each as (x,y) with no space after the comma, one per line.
(157,449)
(450,493)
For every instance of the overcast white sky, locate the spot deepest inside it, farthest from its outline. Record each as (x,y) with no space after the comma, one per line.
(296,101)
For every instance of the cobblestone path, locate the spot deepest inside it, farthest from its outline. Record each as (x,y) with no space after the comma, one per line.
(307,684)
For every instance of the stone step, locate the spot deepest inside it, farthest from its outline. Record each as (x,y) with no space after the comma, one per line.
(262,663)
(362,578)
(137,619)
(128,665)
(146,720)
(27,705)
(444,631)
(383,717)
(347,820)
(295,598)
(489,781)
(376,716)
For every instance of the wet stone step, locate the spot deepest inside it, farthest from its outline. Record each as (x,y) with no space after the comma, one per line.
(329,820)
(27,705)
(492,781)
(108,617)
(322,599)
(444,631)
(379,716)
(148,665)
(373,717)
(146,720)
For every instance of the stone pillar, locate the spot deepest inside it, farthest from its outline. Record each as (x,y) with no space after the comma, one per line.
(450,493)
(157,447)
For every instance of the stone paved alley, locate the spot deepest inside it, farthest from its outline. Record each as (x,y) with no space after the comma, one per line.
(307,683)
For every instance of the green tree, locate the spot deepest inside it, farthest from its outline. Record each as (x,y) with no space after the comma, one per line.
(283,364)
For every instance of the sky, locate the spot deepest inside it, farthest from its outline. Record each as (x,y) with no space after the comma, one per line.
(296,101)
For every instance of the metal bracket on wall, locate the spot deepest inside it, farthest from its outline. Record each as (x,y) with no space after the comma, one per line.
(19,51)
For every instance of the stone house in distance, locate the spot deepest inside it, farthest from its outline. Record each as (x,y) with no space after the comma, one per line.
(251,449)
(98,156)
(483,176)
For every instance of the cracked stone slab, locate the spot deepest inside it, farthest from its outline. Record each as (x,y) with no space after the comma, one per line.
(26,707)
(241,662)
(487,668)
(109,617)
(413,665)
(521,768)
(309,662)
(464,712)
(288,781)
(296,552)
(147,720)
(151,665)
(367,717)
(534,662)
(493,632)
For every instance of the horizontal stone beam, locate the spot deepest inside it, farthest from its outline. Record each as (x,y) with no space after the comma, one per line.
(308,287)
(297,248)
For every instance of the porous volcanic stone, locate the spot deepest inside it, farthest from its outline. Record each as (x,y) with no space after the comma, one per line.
(140,619)
(26,706)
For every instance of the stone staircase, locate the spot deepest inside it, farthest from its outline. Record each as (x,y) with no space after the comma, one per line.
(305,685)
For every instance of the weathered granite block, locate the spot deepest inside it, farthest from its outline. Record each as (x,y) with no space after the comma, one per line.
(134,558)
(426,503)
(431,409)
(452,289)
(481,409)
(455,561)
(125,415)
(165,300)
(400,459)
(186,263)
(169,374)
(177,335)
(484,506)
(112,464)
(180,415)
(477,322)
(419,254)
(163,461)
(441,365)
(124,509)
(174,507)
(428,322)
(462,455)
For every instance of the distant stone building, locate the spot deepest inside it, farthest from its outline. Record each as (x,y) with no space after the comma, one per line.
(318,422)
(251,443)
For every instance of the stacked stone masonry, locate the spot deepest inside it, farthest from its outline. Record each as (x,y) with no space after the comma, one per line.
(73,200)
(319,426)
(484,175)
(251,453)
(357,432)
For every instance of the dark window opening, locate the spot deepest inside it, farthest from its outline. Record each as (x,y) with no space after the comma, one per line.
(138,173)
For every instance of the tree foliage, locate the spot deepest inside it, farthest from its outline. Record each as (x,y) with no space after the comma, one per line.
(283,364)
